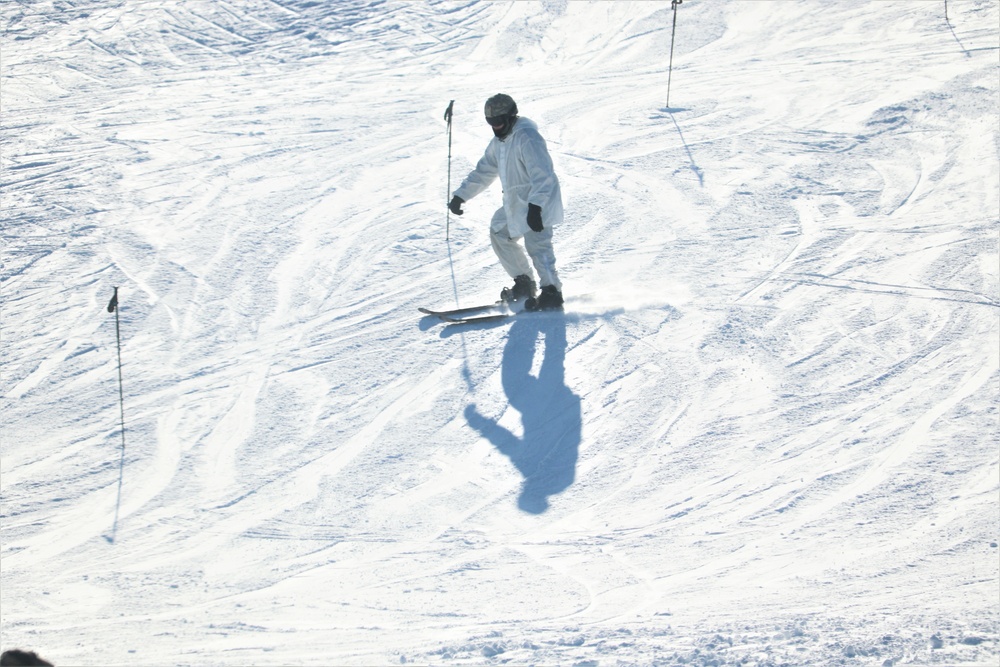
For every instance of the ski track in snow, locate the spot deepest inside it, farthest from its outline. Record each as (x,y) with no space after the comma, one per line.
(763,433)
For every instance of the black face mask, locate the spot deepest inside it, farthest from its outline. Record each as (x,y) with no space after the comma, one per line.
(502,125)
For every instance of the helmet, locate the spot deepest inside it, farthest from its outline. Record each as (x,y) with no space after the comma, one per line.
(500,105)
(501,113)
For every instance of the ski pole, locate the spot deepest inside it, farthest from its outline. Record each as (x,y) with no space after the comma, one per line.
(670,70)
(447,117)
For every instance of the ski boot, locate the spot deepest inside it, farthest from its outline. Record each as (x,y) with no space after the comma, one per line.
(550,299)
(524,288)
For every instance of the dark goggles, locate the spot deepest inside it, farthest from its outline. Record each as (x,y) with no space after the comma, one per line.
(497,121)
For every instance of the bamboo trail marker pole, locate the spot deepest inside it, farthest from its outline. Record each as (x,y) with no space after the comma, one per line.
(113,308)
(673,31)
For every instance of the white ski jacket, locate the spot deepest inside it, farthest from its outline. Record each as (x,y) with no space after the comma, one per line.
(522,162)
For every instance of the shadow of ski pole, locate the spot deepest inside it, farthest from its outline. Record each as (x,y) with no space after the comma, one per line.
(466,371)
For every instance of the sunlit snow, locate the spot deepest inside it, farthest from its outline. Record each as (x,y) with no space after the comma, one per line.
(763,433)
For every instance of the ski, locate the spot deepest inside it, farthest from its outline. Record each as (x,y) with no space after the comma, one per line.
(477,319)
(462,312)
(499,317)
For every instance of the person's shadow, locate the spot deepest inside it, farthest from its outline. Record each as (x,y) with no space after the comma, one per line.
(552,422)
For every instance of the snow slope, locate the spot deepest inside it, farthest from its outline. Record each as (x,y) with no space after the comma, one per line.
(765,431)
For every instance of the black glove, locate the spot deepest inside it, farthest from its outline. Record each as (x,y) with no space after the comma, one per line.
(535,217)
(456,205)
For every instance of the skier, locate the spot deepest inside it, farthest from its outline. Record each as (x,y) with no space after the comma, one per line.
(532,204)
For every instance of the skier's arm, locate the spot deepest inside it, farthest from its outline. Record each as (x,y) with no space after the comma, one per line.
(480,178)
(541,173)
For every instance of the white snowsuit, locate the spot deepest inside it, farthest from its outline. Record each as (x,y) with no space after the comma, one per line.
(521,160)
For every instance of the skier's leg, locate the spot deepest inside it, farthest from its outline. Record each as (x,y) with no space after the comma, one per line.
(539,246)
(510,253)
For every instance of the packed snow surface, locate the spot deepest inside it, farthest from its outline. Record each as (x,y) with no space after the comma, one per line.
(764,432)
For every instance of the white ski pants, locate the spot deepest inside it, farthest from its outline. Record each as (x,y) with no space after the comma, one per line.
(513,258)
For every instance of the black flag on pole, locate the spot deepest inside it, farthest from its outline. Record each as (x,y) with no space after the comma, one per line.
(113,308)
(673,31)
